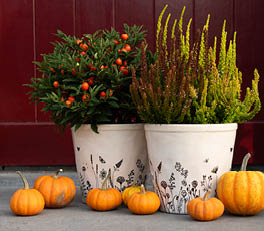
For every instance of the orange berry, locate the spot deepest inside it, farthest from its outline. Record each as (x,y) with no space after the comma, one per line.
(124,36)
(56,84)
(68,103)
(85,97)
(124,70)
(78,41)
(102,94)
(90,81)
(84,47)
(71,98)
(128,47)
(52,69)
(118,61)
(93,68)
(85,86)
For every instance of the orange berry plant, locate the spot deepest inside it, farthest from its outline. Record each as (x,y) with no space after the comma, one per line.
(85,72)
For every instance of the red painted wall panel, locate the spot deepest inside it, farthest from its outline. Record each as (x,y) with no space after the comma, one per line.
(35,144)
(50,17)
(93,15)
(16,56)
(26,31)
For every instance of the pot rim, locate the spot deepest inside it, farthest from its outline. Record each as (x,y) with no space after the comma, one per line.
(112,127)
(190,127)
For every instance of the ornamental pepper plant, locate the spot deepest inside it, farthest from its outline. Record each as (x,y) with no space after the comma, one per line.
(86,80)
(192,82)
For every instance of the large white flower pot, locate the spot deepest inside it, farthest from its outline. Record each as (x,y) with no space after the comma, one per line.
(118,149)
(186,160)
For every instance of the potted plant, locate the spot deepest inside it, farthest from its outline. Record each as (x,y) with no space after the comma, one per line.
(190,99)
(85,85)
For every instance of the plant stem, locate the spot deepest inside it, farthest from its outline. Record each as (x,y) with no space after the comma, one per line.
(205,197)
(245,162)
(142,189)
(26,185)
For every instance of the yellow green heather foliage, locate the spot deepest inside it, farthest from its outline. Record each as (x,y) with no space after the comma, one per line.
(188,82)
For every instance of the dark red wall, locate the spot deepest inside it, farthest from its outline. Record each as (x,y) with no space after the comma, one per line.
(27,137)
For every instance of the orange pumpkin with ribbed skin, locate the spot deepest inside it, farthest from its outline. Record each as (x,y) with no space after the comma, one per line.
(204,209)
(104,199)
(58,191)
(26,202)
(143,202)
(128,192)
(242,192)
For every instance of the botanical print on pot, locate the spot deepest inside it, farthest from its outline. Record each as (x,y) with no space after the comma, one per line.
(99,169)
(118,149)
(176,191)
(187,160)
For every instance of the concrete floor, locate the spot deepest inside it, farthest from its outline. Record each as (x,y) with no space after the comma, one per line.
(78,216)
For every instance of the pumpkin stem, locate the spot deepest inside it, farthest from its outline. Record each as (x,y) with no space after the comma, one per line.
(26,185)
(245,162)
(205,197)
(57,173)
(142,189)
(105,181)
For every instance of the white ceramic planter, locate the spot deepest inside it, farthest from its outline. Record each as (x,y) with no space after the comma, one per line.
(187,160)
(118,149)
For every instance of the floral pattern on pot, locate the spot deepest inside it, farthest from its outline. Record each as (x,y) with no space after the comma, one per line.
(100,170)
(118,149)
(173,197)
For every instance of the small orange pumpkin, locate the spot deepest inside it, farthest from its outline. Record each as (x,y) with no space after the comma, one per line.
(128,192)
(26,202)
(105,198)
(204,209)
(143,202)
(242,192)
(58,191)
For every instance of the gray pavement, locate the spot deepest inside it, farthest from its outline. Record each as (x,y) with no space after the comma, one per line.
(78,216)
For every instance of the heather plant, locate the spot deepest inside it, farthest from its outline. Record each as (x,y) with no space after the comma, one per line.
(192,82)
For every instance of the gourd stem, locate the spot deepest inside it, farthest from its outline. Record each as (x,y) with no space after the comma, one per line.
(142,189)
(26,185)
(105,181)
(57,173)
(245,162)
(205,197)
